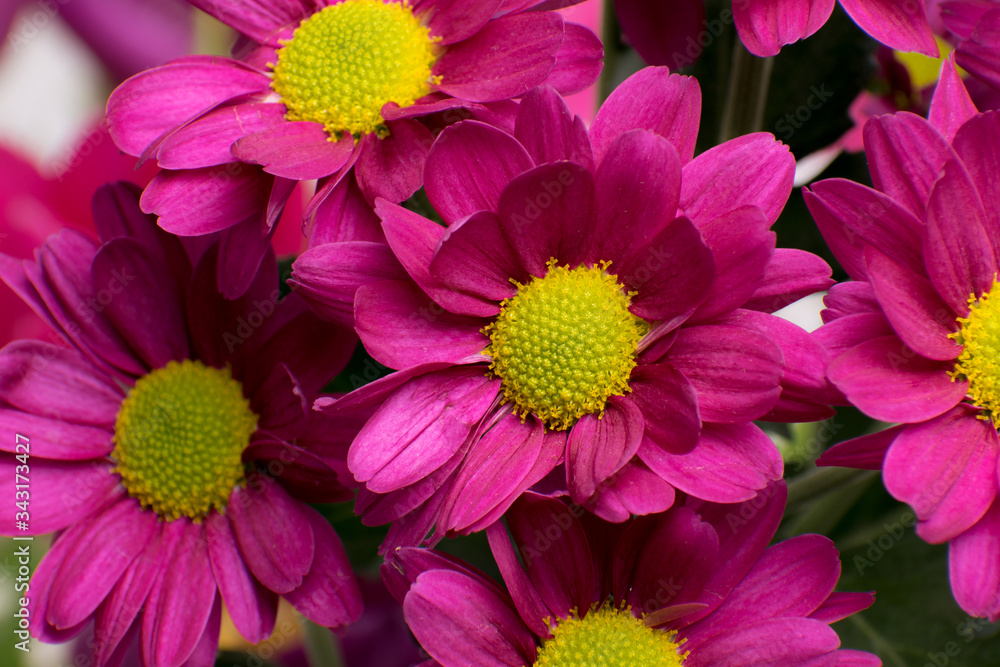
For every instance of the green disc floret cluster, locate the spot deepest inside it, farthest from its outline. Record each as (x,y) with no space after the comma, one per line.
(565,343)
(345,62)
(179,439)
(979,362)
(608,637)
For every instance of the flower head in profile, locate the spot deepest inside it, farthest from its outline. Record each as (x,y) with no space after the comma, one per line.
(347,91)
(914,336)
(677,36)
(170,444)
(696,586)
(594,317)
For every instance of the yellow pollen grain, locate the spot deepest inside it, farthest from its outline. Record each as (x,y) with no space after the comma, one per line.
(345,62)
(565,343)
(179,439)
(979,362)
(609,637)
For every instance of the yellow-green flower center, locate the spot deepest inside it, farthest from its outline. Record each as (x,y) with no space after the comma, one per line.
(979,362)
(179,437)
(565,343)
(608,637)
(346,61)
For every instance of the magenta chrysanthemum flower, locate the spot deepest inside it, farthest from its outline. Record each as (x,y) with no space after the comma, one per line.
(334,90)
(170,444)
(597,309)
(696,586)
(765,26)
(913,337)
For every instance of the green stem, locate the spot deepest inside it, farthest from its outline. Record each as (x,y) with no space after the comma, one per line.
(321,649)
(881,646)
(746,93)
(610,39)
(818,482)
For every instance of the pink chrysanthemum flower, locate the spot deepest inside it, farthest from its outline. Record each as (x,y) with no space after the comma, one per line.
(597,309)
(765,26)
(170,445)
(696,586)
(913,338)
(334,90)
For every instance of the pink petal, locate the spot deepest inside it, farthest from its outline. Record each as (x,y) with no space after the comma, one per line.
(841,605)
(257,19)
(63,493)
(393,167)
(579,60)
(632,211)
(549,212)
(96,558)
(180,604)
(497,469)
(328,275)
(468,166)
(193,202)
(973,567)
(474,257)
(652,99)
(891,382)
(790,275)
(752,170)
(673,274)
(905,157)
(900,25)
(598,446)
(805,569)
(665,559)
(852,217)
(504,59)
(158,100)
(730,464)
(866,452)
(669,406)
(455,20)
(553,546)
(252,607)
(958,252)
(659,31)
(921,319)
(54,382)
(146,309)
(54,438)
(298,150)
(767,25)
(273,533)
(549,131)
(982,130)
(735,371)
(756,642)
(634,489)
(951,105)
(946,469)
(206,142)
(402,327)
(329,594)
(420,427)
(460,621)
(741,246)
